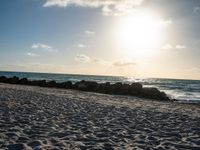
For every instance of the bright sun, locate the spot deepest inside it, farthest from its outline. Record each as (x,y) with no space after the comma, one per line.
(138,34)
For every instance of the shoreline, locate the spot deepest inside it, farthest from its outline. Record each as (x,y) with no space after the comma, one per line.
(34,117)
(176,90)
(118,88)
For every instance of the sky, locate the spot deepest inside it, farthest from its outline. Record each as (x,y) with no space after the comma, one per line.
(139,38)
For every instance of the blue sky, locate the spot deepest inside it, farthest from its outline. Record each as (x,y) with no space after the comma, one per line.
(83,37)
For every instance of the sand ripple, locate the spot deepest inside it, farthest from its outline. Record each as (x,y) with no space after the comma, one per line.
(42,118)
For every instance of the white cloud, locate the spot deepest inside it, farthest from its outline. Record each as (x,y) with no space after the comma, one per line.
(107,10)
(123,63)
(31,54)
(39,45)
(107,6)
(166,23)
(170,47)
(89,32)
(82,58)
(180,46)
(86,59)
(100,61)
(43,47)
(81,45)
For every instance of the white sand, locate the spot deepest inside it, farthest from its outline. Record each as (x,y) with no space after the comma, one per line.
(44,118)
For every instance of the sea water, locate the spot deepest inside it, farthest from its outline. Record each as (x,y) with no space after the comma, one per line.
(183,90)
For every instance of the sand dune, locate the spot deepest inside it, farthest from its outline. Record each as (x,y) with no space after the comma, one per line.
(44,118)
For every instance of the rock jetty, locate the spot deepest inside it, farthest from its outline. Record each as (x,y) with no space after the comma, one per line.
(134,89)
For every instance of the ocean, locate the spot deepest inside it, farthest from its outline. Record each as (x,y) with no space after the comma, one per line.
(187,91)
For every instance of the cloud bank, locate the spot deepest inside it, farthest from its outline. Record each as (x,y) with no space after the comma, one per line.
(89,32)
(107,6)
(31,54)
(81,45)
(170,47)
(82,58)
(43,47)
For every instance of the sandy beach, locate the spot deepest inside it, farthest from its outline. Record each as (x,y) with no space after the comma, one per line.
(47,118)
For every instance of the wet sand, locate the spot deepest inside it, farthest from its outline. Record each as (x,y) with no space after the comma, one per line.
(47,118)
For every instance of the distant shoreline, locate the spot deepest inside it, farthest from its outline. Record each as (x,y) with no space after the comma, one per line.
(60,73)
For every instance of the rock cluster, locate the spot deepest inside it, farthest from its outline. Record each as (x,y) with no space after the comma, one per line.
(134,89)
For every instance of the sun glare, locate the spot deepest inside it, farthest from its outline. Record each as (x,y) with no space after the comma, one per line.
(138,34)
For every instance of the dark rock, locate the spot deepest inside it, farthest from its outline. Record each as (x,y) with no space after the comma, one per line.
(116,88)
(13,80)
(66,85)
(150,92)
(34,83)
(125,89)
(80,85)
(153,93)
(119,88)
(42,83)
(3,79)
(91,85)
(164,96)
(51,84)
(86,85)
(105,88)
(135,88)
(24,81)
